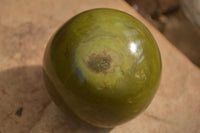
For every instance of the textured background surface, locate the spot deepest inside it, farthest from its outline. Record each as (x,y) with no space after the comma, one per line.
(26,26)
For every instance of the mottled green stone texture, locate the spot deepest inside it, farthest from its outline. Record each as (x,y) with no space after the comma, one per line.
(104,65)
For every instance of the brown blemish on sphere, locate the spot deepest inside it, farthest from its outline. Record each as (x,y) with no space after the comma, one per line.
(99,62)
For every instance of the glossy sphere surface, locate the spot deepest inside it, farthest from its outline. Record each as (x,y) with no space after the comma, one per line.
(104,65)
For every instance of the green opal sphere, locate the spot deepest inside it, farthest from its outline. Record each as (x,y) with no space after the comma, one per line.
(103,65)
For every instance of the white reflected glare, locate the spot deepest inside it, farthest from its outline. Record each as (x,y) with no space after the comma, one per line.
(133,47)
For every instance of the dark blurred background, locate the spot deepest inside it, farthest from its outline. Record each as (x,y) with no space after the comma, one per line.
(178,20)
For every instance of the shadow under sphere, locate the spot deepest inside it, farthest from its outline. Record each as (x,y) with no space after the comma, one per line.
(23,100)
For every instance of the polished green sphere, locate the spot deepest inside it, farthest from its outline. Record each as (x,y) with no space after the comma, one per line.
(103,65)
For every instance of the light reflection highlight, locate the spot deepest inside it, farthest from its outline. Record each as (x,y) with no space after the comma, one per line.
(133,47)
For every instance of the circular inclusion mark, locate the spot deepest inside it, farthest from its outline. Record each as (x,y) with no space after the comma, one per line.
(99,62)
